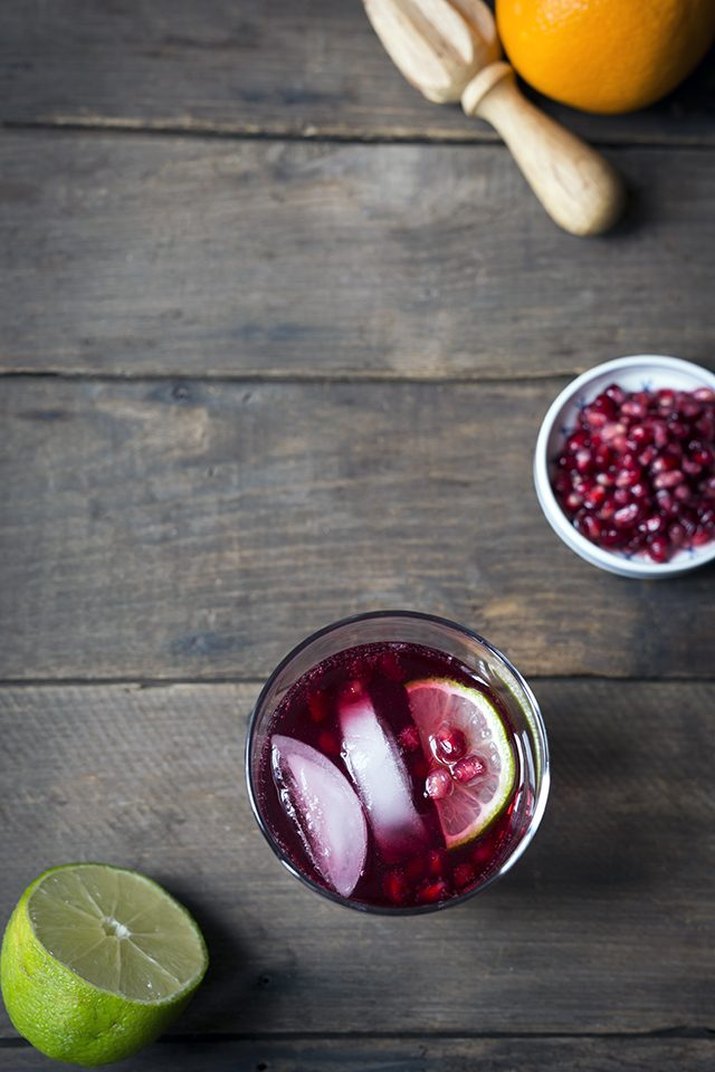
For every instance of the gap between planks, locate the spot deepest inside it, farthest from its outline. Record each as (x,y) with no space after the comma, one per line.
(277,377)
(210,129)
(666,1033)
(256,682)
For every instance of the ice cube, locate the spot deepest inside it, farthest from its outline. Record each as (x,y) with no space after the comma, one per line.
(375,766)
(325,810)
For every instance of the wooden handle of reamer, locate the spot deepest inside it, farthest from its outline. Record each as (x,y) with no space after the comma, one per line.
(578,188)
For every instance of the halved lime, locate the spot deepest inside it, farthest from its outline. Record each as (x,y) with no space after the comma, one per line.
(97,961)
(444,709)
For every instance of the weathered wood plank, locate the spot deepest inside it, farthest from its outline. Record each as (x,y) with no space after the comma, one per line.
(302,68)
(606,926)
(407,1055)
(132,255)
(153,530)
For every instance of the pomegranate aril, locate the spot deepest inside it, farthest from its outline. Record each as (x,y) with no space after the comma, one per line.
(409,738)
(639,490)
(590,526)
(562,484)
(615,393)
(666,502)
(701,456)
(639,436)
(608,509)
(577,440)
(483,851)
(611,537)
(438,784)
(658,549)
(679,429)
(702,535)
(652,525)
(595,496)
(414,868)
(612,432)
(329,744)
(689,408)
(663,463)
(594,418)
(647,456)
(660,433)
(627,516)
(705,426)
(567,462)
(689,520)
(603,456)
(626,478)
(390,666)
(435,863)
(584,461)
(395,887)
(633,408)
(605,404)
(318,706)
(449,743)
(433,891)
(468,769)
(669,479)
(464,875)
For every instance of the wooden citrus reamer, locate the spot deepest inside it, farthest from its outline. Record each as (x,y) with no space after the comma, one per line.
(449,50)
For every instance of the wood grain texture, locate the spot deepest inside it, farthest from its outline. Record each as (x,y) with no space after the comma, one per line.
(605,926)
(405,1055)
(160,530)
(309,68)
(130,255)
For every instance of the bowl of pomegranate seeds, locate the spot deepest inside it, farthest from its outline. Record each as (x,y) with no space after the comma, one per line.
(625,466)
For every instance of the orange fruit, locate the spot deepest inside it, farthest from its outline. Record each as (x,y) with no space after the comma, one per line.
(605,56)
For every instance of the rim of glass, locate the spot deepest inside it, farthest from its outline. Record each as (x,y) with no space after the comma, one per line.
(540,731)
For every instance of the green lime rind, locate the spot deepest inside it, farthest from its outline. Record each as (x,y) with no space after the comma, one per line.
(65,1016)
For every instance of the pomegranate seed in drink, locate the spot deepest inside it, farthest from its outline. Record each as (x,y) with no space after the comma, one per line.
(438,784)
(395,887)
(464,875)
(469,769)
(409,738)
(433,891)
(644,457)
(449,743)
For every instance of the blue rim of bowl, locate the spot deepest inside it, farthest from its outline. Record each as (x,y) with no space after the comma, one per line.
(612,561)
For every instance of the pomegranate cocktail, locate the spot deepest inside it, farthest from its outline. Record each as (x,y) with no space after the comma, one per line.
(397,762)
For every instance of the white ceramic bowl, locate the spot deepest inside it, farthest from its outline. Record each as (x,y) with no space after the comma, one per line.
(638,373)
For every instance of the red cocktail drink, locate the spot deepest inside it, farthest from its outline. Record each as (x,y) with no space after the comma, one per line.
(397,762)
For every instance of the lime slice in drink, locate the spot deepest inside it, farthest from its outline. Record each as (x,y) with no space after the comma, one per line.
(473,765)
(97,961)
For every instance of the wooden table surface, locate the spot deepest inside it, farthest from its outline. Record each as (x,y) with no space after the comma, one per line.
(277,337)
